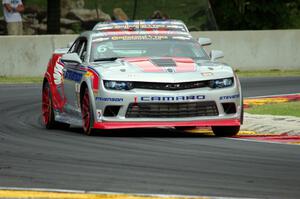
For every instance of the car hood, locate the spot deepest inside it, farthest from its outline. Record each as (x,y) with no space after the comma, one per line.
(159,69)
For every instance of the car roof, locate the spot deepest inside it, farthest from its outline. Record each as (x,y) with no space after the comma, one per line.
(138,27)
(141,25)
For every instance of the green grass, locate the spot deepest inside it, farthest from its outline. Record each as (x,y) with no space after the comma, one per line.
(269,73)
(282,109)
(20,80)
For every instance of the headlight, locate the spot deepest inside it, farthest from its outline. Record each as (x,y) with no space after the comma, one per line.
(118,85)
(221,83)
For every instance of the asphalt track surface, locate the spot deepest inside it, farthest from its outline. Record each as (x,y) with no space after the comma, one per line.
(154,161)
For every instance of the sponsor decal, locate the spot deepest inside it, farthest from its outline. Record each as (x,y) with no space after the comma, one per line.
(171,98)
(58,73)
(230,97)
(139,37)
(72,75)
(109,99)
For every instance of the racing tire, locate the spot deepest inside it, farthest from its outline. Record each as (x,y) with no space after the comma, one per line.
(225,131)
(86,112)
(47,110)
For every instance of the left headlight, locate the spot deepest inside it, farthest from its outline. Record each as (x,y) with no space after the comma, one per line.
(221,83)
(118,85)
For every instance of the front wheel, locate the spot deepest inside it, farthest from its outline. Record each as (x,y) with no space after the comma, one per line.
(86,112)
(47,110)
(225,131)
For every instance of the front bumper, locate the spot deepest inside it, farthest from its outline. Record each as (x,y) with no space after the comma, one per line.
(123,99)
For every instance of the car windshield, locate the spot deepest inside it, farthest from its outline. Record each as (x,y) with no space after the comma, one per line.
(102,51)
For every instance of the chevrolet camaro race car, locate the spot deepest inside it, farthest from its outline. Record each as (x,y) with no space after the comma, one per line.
(141,74)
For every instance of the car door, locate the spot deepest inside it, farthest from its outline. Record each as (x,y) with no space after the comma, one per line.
(73,74)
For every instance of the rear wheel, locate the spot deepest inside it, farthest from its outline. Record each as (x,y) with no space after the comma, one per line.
(47,110)
(86,112)
(225,131)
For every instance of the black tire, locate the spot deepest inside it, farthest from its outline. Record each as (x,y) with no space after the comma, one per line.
(225,131)
(86,113)
(47,110)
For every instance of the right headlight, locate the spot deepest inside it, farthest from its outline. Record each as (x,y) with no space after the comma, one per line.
(221,83)
(118,85)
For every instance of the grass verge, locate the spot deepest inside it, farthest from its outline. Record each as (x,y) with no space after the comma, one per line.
(20,80)
(282,109)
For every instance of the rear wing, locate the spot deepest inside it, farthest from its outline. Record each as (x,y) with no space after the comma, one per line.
(142,25)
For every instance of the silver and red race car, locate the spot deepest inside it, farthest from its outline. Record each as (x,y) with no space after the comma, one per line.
(141,74)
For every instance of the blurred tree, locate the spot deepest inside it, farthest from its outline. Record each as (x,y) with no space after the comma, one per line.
(252,14)
(53,17)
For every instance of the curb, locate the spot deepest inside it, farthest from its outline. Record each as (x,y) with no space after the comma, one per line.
(26,193)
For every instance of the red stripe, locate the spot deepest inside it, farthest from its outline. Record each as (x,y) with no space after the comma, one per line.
(145,64)
(182,64)
(185,65)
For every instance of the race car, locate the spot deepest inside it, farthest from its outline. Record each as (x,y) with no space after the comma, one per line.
(141,74)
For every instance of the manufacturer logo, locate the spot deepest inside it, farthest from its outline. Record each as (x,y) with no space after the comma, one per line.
(171,98)
(173,86)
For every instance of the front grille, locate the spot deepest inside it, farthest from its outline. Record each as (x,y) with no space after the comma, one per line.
(164,62)
(171,86)
(172,110)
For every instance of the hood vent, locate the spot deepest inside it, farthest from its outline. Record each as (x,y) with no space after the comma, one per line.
(164,62)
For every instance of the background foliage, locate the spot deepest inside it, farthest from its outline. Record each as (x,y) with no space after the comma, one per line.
(208,14)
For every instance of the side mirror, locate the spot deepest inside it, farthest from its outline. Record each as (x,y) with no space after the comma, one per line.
(72,58)
(204,41)
(216,54)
